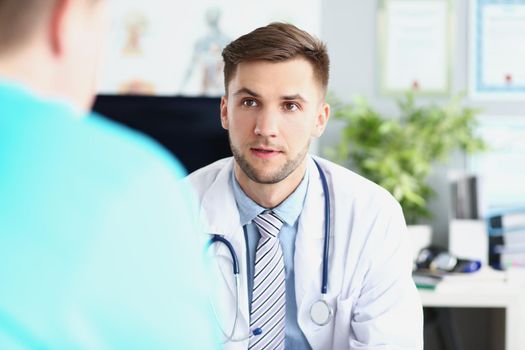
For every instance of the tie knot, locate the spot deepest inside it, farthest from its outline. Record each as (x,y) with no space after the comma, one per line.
(268,224)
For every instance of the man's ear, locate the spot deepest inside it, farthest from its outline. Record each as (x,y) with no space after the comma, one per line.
(57,26)
(224,112)
(321,120)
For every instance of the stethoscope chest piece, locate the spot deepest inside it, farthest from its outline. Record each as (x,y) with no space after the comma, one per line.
(321,313)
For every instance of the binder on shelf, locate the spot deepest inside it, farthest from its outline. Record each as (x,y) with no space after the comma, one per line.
(506,229)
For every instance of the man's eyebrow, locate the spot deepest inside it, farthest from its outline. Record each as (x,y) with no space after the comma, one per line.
(246,91)
(294,97)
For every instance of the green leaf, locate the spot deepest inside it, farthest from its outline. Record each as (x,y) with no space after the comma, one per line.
(398,152)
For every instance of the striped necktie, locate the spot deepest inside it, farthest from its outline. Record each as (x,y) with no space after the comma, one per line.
(269,293)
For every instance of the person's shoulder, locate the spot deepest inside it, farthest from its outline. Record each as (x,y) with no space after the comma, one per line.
(208,174)
(141,179)
(129,151)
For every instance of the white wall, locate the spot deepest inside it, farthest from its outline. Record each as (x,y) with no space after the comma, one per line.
(349,28)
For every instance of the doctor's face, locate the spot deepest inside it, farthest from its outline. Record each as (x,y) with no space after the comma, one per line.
(272,111)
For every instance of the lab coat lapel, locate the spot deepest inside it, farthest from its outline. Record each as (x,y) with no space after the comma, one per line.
(309,247)
(221,216)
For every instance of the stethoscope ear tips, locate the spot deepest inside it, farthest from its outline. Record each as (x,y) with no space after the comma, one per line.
(257,331)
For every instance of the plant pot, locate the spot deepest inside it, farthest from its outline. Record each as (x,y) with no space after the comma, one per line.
(420,236)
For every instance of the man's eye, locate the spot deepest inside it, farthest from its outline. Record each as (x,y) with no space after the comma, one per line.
(291,106)
(249,103)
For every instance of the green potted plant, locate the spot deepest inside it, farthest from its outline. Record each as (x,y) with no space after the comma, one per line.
(398,153)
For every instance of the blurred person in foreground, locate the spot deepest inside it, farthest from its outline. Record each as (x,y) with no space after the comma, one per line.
(96,249)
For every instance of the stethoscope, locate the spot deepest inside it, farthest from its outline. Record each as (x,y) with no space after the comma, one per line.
(321,313)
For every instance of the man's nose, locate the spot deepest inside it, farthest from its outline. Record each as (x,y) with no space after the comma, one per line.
(267,123)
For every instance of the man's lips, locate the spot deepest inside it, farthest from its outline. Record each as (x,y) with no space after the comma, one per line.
(265,152)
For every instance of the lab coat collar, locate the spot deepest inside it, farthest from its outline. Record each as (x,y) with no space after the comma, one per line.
(220,216)
(309,248)
(220,195)
(288,211)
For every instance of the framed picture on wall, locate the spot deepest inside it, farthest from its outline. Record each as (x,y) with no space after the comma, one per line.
(159,47)
(497,49)
(415,46)
(502,168)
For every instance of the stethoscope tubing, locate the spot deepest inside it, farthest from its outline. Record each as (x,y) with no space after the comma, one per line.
(326,248)
(235,260)
(217,238)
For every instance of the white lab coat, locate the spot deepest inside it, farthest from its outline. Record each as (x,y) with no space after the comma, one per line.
(370,287)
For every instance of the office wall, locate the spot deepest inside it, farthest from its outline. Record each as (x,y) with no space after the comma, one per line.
(349,28)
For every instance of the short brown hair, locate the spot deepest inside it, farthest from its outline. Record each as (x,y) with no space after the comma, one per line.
(277,42)
(19,18)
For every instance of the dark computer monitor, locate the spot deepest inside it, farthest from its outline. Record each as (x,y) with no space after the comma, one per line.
(189,127)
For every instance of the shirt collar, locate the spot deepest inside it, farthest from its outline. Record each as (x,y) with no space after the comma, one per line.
(289,210)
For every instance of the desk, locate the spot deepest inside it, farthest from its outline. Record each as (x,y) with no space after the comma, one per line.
(488,289)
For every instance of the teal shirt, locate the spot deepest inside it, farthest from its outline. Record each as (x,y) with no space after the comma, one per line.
(97,246)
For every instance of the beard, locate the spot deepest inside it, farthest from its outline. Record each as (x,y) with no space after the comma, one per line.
(268,178)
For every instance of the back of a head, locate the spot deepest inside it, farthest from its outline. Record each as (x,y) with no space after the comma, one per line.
(19,19)
(277,42)
(53,46)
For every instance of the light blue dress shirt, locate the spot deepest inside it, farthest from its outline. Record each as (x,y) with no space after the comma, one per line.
(289,211)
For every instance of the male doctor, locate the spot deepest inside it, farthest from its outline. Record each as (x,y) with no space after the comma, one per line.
(268,202)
